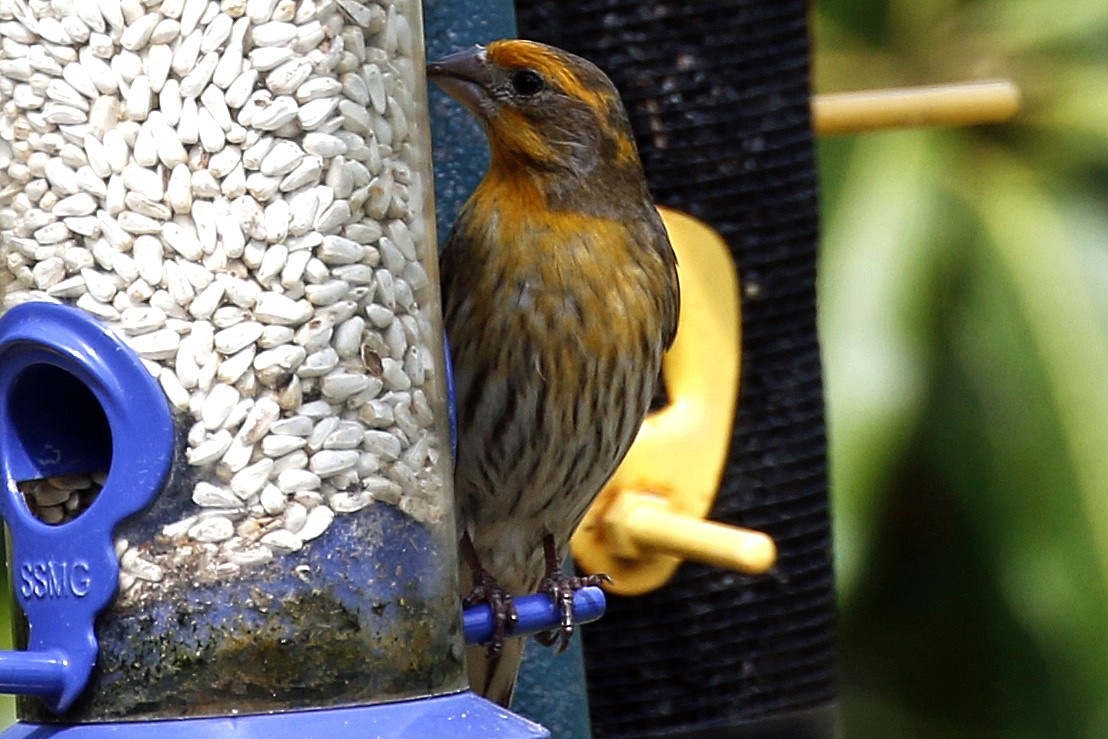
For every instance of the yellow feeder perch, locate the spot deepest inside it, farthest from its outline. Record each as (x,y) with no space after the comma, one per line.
(650,516)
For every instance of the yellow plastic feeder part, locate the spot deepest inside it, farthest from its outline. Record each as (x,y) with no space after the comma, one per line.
(650,516)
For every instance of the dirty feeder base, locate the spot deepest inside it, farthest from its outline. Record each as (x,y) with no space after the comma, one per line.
(458,716)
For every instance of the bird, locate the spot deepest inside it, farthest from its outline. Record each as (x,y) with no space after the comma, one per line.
(560,296)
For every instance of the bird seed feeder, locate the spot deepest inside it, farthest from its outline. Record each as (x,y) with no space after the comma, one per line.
(223,395)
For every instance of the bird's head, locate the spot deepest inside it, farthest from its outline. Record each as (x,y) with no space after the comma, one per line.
(540,106)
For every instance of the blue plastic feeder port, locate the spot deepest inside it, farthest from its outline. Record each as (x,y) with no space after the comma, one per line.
(73,399)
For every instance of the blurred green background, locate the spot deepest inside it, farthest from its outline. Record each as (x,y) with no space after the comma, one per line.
(964,318)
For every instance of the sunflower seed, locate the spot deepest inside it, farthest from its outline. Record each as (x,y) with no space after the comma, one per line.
(212,530)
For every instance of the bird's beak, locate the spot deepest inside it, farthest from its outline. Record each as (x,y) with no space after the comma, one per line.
(464,76)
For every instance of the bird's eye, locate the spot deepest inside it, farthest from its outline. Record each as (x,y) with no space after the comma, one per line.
(527,82)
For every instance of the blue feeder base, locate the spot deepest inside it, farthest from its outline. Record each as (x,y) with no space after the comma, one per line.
(458,716)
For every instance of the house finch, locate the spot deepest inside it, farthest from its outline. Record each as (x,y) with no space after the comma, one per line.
(560,293)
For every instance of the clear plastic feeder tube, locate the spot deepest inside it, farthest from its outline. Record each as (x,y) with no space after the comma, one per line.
(241,190)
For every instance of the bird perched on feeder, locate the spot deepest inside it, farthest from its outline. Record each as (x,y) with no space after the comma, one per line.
(560,296)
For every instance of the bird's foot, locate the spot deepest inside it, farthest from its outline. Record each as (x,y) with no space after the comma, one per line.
(561,588)
(504,616)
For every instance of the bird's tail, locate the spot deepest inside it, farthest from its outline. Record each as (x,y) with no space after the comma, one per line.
(495,677)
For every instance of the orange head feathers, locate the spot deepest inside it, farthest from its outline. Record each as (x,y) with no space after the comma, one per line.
(543,107)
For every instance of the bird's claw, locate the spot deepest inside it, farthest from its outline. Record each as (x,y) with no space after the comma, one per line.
(561,588)
(504,615)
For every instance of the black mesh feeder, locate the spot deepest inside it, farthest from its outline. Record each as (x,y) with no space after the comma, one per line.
(718,94)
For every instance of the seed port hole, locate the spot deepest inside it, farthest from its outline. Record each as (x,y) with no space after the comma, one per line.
(63,430)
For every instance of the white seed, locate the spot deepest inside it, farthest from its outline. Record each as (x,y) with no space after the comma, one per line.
(203,182)
(182,239)
(146,147)
(206,301)
(161,344)
(265,58)
(331,218)
(142,180)
(261,187)
(137,34)
(169,148)
(167,30)
(340,250)
(339,386)
(318,87)
(50,272)
(228,315)
(383,444)
(208,451)
(136,223)
(216,33)
(313,113)
(258,421)
(188,128)
(125,267)
(375,85)
(239,91)
(273,260)
(148,257)
(272,500)
(191,12)
(251,479)
(323,144)
(81,204)
(218,404)
(277,223)
(159,59)
(297,480)
(280,159)
(178,190)
(278,445)
(347,436)
(232,369)
(348,337)
(360,14)
(51,30)
(253,556)
(320,362)
(229,66)
(281,110)
(80,80)
(97,156)
(62,179)
(260,11)
(176,393)
(212,137)
(327,463)
(237,337)
(319,520)
(207,495)
(276,308)
(140,568)
(119,151)
(212,530)
(193,83)
(282,539)
(138,98)
(213,101)
(101,310)
(223,162)
(286,78)
(328,293)
(307,173)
